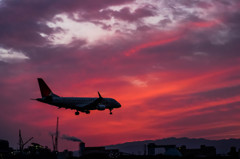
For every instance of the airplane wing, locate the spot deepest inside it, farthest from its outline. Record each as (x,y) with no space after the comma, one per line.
(91,105)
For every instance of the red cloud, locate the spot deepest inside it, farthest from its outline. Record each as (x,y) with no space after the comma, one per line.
(204,24)
(197,98)
(151,44)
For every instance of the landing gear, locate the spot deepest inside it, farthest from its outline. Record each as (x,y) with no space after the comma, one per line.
(110,111)
(87,112)
(76,113)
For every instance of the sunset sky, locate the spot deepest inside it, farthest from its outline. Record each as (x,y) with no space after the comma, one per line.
(174,65)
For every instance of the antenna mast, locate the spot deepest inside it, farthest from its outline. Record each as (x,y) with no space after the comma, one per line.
(55,140)
(56,137)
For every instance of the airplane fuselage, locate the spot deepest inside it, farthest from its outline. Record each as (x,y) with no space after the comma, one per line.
(81,104)
(77,102)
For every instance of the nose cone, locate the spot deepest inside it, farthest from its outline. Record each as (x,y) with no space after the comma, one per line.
(116,104)
(119,105)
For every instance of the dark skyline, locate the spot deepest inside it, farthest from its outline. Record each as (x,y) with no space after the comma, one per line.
(173,65)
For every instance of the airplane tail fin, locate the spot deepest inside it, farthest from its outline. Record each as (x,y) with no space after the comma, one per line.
(45,90)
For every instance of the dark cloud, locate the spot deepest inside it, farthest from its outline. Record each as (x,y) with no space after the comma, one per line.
(21,22)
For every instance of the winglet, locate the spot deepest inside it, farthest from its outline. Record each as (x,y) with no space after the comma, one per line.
(100,97)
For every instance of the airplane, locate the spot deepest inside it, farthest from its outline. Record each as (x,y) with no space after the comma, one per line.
(80,104)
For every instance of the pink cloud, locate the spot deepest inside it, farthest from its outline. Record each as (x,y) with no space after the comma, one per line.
(150,44)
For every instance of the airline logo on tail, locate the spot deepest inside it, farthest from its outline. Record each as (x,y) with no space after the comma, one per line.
(45,90)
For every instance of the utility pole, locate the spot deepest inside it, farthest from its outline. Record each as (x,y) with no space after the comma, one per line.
(56,137)
(20,141)
(55,140)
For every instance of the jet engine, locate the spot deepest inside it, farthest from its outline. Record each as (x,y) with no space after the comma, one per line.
(101,107)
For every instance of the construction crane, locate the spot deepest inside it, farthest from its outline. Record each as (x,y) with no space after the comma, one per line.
(21,143)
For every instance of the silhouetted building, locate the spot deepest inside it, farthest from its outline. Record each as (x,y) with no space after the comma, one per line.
(204,151)
(97,152)
(65,154)
(4,149)
(170,150)
(239,153)
(233,153)
(81,148)
(4,146)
